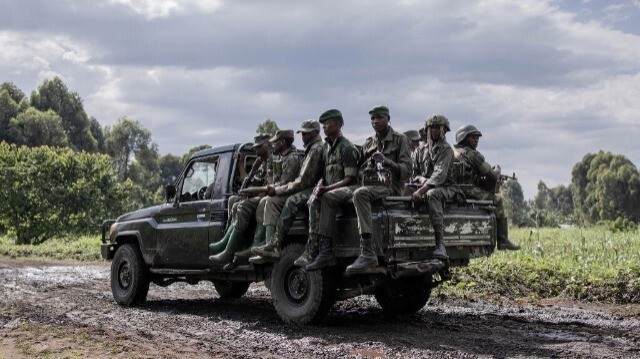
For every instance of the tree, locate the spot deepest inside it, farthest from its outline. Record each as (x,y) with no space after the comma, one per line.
(606,186)
(514,204)
(36,128)
(97,133)
(134,156)
(269,127)
(8,110)
(54,95)
(170,168)
(16,94)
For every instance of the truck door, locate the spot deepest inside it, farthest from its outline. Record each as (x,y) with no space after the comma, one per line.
(183,227)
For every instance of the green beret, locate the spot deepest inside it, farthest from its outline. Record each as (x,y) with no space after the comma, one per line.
(379,110)
(331,114)
(309,125)
(412,135)
(260,139)
(282,134)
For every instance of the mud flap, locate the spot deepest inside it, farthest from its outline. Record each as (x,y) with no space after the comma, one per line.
(413,269)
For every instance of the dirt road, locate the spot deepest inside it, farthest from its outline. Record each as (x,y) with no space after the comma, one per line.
(66,310)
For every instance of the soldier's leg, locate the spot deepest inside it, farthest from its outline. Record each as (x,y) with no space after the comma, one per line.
(435,198)
(273,208)
(329,203)
(502,222)
(220,245)
(245,213)
(362,198)
(242,257)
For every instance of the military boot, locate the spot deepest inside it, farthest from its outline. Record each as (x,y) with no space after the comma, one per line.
(220,245)
(242,257)
(325,257)
(503,236)
(368,259)
(310,251)
(236,242)
(269,251)
(440,252)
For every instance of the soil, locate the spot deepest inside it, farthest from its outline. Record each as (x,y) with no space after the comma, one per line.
(61,310)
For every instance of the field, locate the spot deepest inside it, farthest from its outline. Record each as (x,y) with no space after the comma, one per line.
(592,264)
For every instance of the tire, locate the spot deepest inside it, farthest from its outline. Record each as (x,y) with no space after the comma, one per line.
(129,276)
(228,289)
(405,295)
(300,297)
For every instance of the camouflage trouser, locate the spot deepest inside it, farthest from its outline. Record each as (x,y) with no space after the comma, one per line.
(435,199)
(272,209)
(246,209)
(322,215)
(233,206)
(362,198)
(479,193)
(293,205)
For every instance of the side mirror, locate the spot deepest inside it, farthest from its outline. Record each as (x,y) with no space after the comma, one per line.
(170,190)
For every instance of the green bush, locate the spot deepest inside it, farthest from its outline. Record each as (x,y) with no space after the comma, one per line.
(49,192)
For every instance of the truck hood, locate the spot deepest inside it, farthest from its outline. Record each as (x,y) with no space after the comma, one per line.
(139,214)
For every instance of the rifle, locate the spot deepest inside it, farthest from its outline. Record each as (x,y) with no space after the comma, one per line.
(314,194)
(249,176)
(253,191)
(493,183)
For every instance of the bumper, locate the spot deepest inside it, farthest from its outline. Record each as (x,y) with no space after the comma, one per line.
(107,250)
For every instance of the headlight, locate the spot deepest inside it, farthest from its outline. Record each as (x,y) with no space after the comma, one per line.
(112,229)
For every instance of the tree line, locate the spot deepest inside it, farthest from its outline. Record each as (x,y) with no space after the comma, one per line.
(63,172)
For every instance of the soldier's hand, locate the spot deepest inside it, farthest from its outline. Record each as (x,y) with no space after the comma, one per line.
(416,197)
(320,190)
(378,157)
(271,190)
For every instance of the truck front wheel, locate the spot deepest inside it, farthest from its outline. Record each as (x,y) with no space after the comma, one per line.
(300,297)
(404,295)
(129,276)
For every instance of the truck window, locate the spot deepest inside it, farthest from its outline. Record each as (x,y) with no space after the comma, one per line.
(200,176)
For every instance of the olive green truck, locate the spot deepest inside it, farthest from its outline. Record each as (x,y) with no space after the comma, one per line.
(169,243)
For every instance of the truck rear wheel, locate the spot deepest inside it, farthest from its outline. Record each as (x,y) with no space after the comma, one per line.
(129,276)
(300,297)
(404,295)
(228,289)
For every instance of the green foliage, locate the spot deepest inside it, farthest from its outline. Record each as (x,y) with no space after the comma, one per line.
(96,131)
(16,94)
(606,186)
(8,110)
(82,248)
(36,128)
(269,126)
(514,203)
(49,192)
(593,264)
(54,95)
(170,168)
(622,225)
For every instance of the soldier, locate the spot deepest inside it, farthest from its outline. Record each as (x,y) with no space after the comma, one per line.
(340,158)
(297,194)
(285,167)
(435,166)
(389,149)
(471,167)
(246,208)
(414,140)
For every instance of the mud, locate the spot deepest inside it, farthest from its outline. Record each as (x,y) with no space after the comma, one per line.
(66,310)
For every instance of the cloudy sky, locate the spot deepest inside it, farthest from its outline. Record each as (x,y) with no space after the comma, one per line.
(545,81)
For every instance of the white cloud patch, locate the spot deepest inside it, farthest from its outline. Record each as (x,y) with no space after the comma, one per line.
(151,9)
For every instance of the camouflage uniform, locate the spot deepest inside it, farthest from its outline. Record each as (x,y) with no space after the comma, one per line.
(395,147)
(246,208)
(341,160)
(285,170)
(469,167)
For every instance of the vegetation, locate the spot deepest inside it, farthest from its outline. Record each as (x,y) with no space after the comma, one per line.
(586,264)
(269,127)
(82,248)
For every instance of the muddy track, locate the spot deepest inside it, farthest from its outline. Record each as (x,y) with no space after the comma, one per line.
(68,311)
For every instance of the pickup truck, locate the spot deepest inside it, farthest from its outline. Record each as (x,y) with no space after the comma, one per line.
(169,243)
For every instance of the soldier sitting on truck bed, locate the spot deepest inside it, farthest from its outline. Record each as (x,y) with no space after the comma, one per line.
(387,166)
(340,158)
(235,237)
(297,194)
(435,168)
(471,169)
(285,168)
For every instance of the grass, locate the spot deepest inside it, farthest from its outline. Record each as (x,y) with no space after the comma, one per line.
(83,248)
(592,264)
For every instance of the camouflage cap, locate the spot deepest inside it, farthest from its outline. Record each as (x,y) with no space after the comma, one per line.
(260,140)
(437,120)
(331,114)
(281,135)
(412,135)
(309,125)
(379,110)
